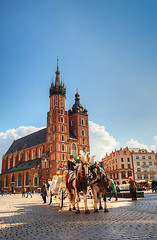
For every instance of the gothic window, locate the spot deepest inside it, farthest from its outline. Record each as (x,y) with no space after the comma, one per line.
(56,100)
(6,181)
(27,178)
(62,120)
(62,147)
(35,181)
(19,179)
(73,149)
(63,157)
(82,122)
(62,138)
(61,102)
(13,178)
(62,129)
(83,133)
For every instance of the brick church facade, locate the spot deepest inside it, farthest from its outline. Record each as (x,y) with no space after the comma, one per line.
(44,154)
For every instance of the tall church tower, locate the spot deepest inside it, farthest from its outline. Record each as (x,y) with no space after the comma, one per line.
(57,124)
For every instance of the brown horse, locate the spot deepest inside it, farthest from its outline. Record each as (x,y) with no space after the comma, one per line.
(99,183)
(80,184)
(76,181)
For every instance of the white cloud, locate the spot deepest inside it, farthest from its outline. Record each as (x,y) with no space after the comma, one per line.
(132,143)
(6,138)
(101,141)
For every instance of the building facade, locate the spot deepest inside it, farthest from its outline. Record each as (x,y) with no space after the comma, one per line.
(44,154)
(144,164)
(118,166)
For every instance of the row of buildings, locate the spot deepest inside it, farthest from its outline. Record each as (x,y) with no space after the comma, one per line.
(139,164)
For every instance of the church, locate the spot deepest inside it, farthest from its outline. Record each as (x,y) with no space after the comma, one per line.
(44,154)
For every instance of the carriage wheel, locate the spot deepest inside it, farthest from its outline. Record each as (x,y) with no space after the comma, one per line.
(61,199)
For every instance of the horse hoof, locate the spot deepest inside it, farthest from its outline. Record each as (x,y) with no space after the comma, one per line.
(74,208)
(69,209)
(106,210)
(87,212)
(78,211)
(96,211)
(100,208)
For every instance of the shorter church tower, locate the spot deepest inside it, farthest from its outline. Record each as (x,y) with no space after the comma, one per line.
(78,121)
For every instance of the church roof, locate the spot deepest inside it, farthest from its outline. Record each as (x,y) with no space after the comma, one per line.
(24,166)
(28,141)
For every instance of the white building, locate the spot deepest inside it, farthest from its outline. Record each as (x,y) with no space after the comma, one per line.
(144,164)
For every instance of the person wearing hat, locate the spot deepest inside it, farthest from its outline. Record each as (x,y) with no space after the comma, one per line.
(71,163)
(132,188)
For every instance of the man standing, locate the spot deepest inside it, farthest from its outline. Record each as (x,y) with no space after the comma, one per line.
(44,191)
(51,189)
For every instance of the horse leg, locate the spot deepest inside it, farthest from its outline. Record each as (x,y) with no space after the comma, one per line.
(77,202)
(105,206)
(73,199)
(85,202)
(95,200)
(100,206)
(69,197)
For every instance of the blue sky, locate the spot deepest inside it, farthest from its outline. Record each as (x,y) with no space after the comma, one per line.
(106,49)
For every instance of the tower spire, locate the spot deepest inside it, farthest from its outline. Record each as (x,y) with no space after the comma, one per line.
(57,81)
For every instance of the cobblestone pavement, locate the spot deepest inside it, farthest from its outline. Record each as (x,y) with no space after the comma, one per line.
(29,218)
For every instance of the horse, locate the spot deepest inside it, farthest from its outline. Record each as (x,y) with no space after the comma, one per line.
(81,182)
(76,181)
(99,184)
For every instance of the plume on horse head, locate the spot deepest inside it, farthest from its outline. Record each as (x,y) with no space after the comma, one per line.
(91,159)
(84,157)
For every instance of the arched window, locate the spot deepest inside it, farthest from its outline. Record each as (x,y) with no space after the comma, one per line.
(73,149)
(83,133)
(62,129)
(19,179)
(13,178)
(124,182)
(123,175)
(27,178)
(35,181)
(6,181)
(83,141)
(62,138)
(129,173)
(82,121)
(63,157)
(56,100)
(62,147)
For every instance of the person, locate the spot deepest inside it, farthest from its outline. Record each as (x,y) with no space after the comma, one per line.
(29,192)
(71,163)
(51,189)
(132,189)
(44,191)
(113,190)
